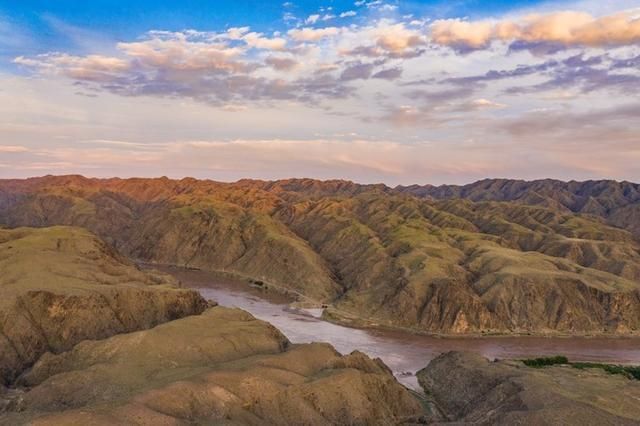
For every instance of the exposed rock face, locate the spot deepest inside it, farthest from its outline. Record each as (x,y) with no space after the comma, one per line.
(469,389)
(62,285)
(223,366)
(446,265)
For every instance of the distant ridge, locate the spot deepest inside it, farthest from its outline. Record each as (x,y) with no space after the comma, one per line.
(618,202)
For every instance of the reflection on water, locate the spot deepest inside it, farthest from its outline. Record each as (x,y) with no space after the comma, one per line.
(402,352)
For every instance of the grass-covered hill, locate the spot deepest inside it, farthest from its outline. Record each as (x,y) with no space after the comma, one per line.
(429,259)
(617,202)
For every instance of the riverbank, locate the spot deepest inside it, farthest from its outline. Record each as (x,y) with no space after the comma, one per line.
(349,319)
(404,352)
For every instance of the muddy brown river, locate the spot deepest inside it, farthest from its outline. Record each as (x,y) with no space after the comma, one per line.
(404,353)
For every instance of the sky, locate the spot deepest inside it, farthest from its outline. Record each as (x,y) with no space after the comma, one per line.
(391,91)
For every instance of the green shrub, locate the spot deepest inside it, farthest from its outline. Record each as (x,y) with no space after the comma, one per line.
(632,372)
(546,361)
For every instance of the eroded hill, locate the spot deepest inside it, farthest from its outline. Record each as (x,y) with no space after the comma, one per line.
(87,338)
(617,202)
(377,255)
(62,285)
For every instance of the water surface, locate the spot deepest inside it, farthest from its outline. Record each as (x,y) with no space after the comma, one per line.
(404,353)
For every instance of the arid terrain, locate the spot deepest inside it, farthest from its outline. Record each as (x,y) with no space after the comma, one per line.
(499,256)
(79,346)
(465,388)
(310,213)
(89,338)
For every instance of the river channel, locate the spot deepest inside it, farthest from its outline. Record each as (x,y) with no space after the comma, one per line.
(403,352)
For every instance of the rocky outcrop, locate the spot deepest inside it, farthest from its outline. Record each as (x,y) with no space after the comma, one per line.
(223,366)
(465,388)
(60,286)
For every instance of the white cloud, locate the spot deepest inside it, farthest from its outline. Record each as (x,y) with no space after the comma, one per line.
(397,37)
(570,28)
(313,34)
(485,103)
(312,19)
(236,33)
(257,40)
(387,80)
(91,67)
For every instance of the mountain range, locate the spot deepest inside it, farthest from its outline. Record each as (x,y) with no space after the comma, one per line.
(497,256)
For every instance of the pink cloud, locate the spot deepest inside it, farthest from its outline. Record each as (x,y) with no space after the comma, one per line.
(569,28)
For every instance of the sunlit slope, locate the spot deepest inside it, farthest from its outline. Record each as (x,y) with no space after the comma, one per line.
(62,285)
(189,223)
(452,269)
(617,202)
(88,338)
(450,266)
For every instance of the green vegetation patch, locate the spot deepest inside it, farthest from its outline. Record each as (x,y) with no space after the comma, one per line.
(629,371)
(546,361)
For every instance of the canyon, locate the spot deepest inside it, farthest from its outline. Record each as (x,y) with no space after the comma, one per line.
(90,338)
(497,257)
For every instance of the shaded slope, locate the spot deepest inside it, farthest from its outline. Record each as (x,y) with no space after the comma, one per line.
(618,202)
(432,267)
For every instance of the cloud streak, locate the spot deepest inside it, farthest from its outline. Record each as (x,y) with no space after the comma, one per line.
(9,149)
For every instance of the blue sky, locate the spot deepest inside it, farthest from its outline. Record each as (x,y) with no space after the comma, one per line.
(48,22)
(374,91)
(124,18)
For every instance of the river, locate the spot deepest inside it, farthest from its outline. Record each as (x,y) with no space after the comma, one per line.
(404,353)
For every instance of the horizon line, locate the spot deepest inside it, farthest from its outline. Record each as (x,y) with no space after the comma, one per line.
(231,182)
